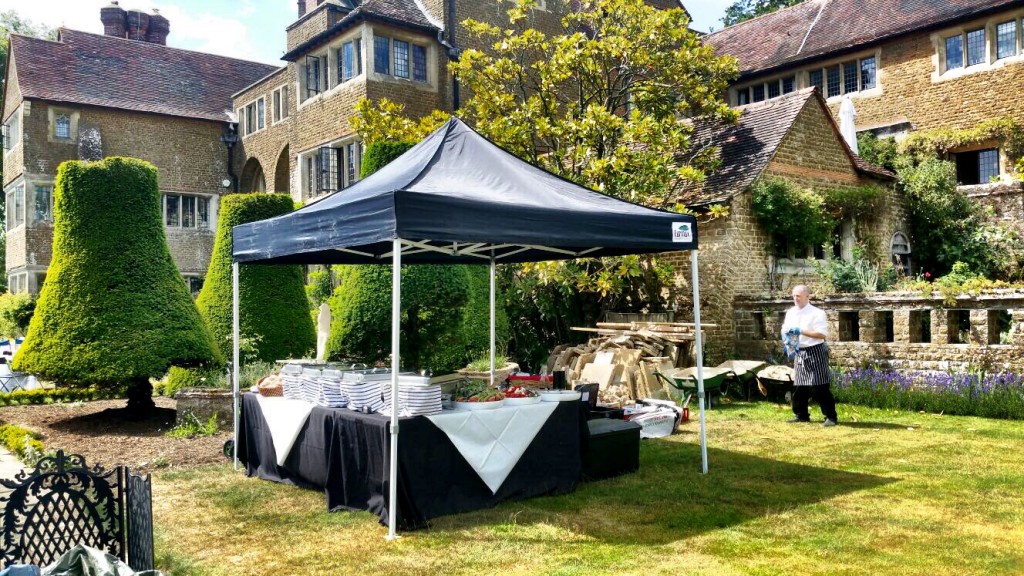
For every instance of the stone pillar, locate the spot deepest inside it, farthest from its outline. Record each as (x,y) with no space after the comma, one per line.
(905,332)
(833,324)
(940,326)
(869,326)
(980,328)
(1017,317)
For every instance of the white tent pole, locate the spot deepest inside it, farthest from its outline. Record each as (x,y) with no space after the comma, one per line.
(699,343)
(396,316)
(492,318)
(235,353)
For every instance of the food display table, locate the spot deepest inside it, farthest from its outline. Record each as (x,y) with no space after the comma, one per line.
(345,453)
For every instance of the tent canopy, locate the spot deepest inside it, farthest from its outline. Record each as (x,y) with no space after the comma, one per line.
(456,197)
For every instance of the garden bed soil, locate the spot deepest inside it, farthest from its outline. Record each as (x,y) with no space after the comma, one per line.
(104,434)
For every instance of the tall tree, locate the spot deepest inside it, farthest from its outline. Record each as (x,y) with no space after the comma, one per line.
(742,10)
(608,102)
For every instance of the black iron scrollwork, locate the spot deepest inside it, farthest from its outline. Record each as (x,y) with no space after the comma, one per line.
(64,502)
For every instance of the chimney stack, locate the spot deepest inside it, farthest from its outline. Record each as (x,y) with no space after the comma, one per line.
(113,18)
(302,8)
(159,28)
(138,25)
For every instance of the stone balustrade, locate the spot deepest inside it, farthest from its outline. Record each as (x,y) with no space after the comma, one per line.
(904,329)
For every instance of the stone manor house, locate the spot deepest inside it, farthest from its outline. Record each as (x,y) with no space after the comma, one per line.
(213,125)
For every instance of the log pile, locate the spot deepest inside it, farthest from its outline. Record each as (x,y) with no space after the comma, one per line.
(622,358)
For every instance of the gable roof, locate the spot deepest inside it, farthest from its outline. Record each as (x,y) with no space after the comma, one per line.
(817,28)
(747,147)
(98,70)
(402,13)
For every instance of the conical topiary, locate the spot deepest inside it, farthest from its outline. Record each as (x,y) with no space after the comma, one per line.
(114,309)
(274,312)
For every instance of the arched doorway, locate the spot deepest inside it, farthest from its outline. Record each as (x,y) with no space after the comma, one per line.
(281,173)
(252,177)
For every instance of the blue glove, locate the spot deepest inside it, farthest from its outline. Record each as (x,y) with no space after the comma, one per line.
(794,331)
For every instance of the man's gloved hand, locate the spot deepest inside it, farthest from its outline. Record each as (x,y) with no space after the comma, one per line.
(794,331)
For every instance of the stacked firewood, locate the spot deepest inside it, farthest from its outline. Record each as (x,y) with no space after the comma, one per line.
(622,358)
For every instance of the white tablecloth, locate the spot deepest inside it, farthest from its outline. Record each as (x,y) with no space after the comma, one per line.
(492,441)
(285,417)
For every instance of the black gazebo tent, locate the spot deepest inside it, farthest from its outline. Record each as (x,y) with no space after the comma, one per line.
(458,198)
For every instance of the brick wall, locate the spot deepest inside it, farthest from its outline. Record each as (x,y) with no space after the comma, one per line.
(735,253)
(902,344)
(314,22)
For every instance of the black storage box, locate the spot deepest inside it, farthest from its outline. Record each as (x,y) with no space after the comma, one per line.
(605,412)
(612,449)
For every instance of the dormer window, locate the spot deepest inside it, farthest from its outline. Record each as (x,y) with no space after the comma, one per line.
(62,127)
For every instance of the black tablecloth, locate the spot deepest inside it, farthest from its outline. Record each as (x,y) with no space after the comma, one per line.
(346,454)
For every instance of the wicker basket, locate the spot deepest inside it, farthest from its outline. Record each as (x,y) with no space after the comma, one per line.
(270,385)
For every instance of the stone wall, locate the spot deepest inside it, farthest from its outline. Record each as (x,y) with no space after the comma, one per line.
(1006,201)
(203,403)
(905,330)
(314,22)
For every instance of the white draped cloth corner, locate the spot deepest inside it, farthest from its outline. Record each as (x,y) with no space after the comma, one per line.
(285,417)
(492,441)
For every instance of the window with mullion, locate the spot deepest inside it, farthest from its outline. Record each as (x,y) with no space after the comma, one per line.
(815,78)
(788,84)
(743,96)
(350,59)
(172,210)
(834,85)
(988,165)
(976,47)
(419,63)
(1006,39)
(850,83)
(62,127)
(44,204)
(313,75)
(758,91)
(401,58)
(868,73)
(381,55)
(261,114)
(954,52)
(773,89)
(328,169)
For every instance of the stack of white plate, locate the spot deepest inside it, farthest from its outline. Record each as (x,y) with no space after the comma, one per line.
(330,384)
(416,396)
(291,376)
(312,391)
(362,387)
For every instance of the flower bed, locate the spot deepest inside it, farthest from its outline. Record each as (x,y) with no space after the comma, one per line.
(997,395)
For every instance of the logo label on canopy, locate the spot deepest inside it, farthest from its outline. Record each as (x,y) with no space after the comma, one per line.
(681,232)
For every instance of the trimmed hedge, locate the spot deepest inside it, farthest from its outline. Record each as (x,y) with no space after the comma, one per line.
(57,395)
(380,154)
(114,308)
(273,306)
(20,441)
(178,378)
(16,312)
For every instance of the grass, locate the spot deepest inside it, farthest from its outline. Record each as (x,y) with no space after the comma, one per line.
(884,493)
(191,426)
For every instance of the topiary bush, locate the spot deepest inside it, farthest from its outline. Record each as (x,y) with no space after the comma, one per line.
(379,154)
(114,309)
(15,314)
(273,308)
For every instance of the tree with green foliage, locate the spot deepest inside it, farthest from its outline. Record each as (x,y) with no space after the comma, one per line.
(609,102)
(114,310)
(743,10)
(273,308)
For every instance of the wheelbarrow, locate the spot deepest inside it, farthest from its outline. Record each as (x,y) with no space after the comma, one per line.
(685,381)
(743,376)
(776,382)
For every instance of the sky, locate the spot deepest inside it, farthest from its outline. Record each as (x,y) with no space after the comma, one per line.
(248,29)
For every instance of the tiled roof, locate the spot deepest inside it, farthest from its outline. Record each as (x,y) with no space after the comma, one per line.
(404,13)
(98,70)
(748,146)
(834,26)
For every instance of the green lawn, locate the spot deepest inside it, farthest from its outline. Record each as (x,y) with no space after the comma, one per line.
(884,493)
